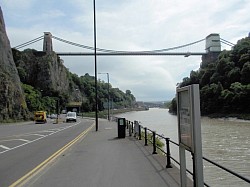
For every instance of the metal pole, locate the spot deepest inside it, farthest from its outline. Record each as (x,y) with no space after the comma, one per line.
(96,97)
(129,129)
(168,154)
(57,106)
(108,99)
(146,136)
(132,126)
(139,132)
(154,143)
(194,171)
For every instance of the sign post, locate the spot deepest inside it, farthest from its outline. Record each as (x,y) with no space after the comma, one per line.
(189,130)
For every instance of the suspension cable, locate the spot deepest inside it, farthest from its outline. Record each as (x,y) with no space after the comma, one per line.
(29,42)
(226,42)
(119,51)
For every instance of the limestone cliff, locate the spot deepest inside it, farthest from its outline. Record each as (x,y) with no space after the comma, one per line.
(47,74)
(12,101)
(44,71)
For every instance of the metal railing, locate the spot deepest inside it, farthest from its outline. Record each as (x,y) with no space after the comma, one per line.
(152,140)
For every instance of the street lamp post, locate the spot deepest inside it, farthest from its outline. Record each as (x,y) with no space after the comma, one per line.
(108,96)
(96,97)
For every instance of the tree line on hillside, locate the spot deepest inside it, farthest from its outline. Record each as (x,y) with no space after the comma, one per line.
(225,83)
(86,85)
(39,100)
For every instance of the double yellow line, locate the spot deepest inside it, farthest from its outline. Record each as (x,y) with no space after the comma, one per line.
(23,180)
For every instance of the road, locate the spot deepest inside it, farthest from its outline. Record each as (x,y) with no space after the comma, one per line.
(23,147)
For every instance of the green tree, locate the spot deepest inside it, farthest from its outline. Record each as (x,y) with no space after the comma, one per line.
(33,98)
(173,106)
(210,94)
(234,75)
(194,77)
(241,48)
(245,73)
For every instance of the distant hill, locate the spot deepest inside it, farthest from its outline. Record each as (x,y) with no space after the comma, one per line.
(152,104)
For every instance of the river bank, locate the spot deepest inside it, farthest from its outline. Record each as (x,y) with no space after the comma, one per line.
(224,116)
(228,116)
(104,114)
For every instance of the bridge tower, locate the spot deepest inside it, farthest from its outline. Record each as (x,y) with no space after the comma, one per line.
(213,43)
(213,48)
(47,42)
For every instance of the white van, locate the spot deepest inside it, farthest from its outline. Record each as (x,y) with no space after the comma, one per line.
(71,116)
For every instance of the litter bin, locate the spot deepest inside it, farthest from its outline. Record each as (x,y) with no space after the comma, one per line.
(121,127)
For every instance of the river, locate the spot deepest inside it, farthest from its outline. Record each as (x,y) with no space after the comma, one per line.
(224,141)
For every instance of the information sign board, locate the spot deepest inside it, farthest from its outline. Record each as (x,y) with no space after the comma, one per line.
(184,118)
(189,129)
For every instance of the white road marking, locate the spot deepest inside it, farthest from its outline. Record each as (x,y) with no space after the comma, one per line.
(35,135)
(28,142)
(4,147)
(52,131)
(23,140)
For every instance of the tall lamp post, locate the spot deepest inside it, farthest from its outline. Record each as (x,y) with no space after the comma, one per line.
(108,96)
(96,97)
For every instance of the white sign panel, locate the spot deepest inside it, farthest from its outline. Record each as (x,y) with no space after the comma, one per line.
(185,127)
(184,118)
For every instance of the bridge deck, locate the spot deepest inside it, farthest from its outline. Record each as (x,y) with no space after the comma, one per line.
(101,159)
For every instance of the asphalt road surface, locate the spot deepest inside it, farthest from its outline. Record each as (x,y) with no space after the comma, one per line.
(24,146)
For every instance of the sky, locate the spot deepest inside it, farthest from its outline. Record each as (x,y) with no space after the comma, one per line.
(131,25)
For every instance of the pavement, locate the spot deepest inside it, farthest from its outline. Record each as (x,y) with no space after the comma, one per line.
(101,159)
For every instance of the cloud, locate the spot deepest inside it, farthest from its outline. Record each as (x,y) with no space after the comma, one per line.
(14,5)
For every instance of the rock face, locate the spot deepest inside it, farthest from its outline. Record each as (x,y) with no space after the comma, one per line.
(44,71)
(12,100)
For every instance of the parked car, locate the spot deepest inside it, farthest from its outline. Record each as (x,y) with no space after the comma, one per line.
(71,116)
(53,116)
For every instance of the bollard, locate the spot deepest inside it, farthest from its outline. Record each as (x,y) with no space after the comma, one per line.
(129,130)
(168,154)
(136,128)
(146,136)
(154,143)
(132,125)
(139,132)
(134,131)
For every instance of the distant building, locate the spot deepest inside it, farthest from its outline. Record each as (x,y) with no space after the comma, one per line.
(140,104)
